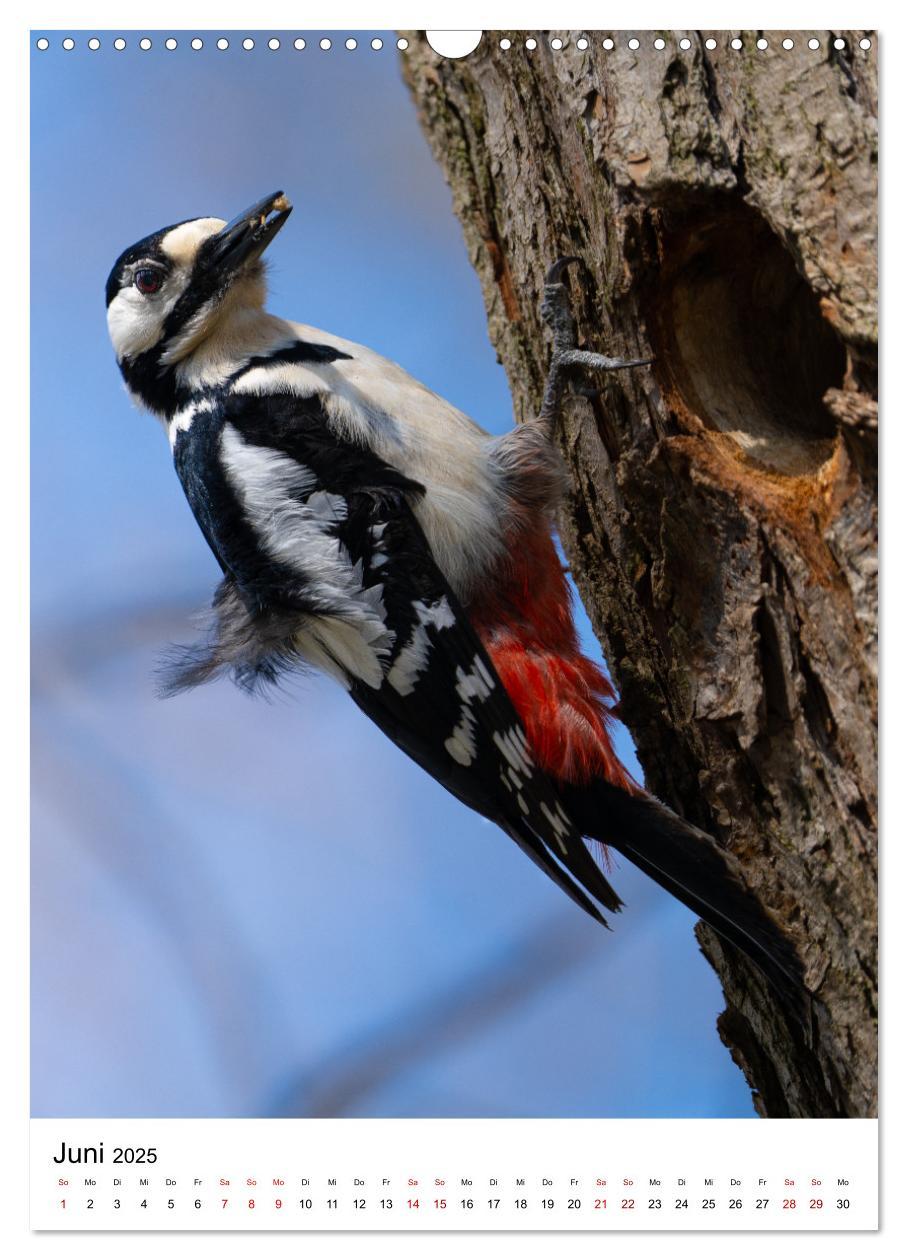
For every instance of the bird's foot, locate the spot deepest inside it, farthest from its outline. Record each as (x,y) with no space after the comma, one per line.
(567,358)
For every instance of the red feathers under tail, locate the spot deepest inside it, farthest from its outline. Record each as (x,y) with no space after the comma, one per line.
(562,702)
(562,698)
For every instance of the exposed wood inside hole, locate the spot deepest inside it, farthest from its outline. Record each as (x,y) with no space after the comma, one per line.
(740,339)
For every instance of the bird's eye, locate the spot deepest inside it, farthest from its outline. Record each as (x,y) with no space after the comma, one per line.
(148,280)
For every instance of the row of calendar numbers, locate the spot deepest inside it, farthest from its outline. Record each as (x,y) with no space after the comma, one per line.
(521,1204)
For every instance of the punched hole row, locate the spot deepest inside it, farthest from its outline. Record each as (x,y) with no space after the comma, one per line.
(223,43)
(530,44)
(583,43)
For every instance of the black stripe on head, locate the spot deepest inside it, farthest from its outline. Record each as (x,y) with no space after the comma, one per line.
(204,284)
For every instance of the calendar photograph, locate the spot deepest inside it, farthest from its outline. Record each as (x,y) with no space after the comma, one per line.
(454,555)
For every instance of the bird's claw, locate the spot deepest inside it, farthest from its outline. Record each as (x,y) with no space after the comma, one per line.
(559,266)
(567,357)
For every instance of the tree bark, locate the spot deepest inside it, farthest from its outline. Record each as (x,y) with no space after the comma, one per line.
(721,524)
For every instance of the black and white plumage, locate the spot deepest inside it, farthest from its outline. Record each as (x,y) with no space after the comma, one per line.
(325,564)
(367,528)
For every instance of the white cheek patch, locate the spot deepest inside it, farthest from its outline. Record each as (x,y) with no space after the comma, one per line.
(182,243)
(135,323)
(136,320)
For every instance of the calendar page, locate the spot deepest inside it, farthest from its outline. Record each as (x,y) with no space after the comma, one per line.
(454,621)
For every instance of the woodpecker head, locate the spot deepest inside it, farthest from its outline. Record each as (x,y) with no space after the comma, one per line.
(169,292)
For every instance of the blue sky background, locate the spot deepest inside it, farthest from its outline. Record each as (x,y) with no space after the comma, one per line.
(244,908)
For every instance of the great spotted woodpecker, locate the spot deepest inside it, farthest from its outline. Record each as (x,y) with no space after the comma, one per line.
(366,527)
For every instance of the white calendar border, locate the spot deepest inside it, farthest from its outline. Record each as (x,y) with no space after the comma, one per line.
(13,626)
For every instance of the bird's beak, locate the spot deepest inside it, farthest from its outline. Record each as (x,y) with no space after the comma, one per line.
(246,238)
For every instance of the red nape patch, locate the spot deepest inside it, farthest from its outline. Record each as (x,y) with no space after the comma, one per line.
(562,698)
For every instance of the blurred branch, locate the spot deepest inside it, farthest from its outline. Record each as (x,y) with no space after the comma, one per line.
(467,1008)
(70,648)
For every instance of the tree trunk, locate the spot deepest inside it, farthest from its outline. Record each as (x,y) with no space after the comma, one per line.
(721,525)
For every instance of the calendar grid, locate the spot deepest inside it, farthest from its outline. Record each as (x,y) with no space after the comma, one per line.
(453,1174)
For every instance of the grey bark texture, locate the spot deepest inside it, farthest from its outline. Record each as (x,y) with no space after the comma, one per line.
(721,524)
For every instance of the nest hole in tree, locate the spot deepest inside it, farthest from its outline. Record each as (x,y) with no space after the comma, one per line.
(740,340)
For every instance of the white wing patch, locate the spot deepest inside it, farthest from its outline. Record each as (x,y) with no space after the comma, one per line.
(280,378)
(414,655)
(475,685)
(292,521)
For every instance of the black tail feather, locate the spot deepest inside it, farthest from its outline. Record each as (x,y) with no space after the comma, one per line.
(579,888)
(692,867)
